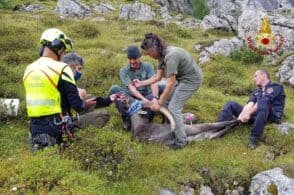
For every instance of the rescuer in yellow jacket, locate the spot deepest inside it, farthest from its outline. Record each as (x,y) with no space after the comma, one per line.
(48,84)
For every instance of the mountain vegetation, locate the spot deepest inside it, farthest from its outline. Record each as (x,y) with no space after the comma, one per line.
(105,160)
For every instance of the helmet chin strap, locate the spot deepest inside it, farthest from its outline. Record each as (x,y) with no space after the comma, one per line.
(58,53)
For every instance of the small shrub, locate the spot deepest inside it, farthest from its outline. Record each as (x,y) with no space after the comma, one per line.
(14,38)
(3,4)
(50,20)
(46,172)
(103,151)
(200,9)
(184,34)
(247,56)
(86,29)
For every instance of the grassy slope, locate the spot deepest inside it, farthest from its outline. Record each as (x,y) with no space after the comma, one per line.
(135,168)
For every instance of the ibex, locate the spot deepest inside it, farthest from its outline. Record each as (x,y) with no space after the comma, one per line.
(146,131)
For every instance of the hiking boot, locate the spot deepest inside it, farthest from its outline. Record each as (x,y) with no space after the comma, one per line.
(253,141)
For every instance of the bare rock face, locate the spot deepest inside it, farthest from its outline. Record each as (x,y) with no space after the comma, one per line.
(285,128)
(180,6)
(225,14)
(72,8)
(205,190)
(104,8)
(136,11)
(165,15)
(250,21)
(222,47)
(215,22)
(29,8)
(270,5)
(286,72)
(272,182)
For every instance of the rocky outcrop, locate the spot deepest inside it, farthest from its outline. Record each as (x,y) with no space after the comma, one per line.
(104,8)
(180,6)
(205,190)
(250,22)
(190,23)
(270,5)
(286,72)
(72,8)
(221,47)
(136,11)
(215,22)
(272,182)
(29,8)
(165,15)
(285,128)
(225,14)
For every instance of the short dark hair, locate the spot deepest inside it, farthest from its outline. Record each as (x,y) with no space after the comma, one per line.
(73,59)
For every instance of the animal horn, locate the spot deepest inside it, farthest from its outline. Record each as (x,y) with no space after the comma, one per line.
(169,116)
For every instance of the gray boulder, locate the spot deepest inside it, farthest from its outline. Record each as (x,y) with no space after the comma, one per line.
(215,22)
(263,4)
(223,15)
(205,190)
(272,182)
(29,8)
(250,21)
(104,8)
(72,8)
(165,191)
(165,15)
(286,72)
(270,5)
(136,11)
(180,6)
(191,23)
(285,128)
(222,47)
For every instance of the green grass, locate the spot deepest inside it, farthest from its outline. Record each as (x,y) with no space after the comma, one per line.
(119,165)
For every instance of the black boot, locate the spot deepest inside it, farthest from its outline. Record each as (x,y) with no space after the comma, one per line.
(127,123)
(253,142)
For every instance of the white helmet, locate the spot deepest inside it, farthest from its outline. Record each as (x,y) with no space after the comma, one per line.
(56,39)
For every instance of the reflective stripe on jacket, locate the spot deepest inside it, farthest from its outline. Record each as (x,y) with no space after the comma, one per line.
(40,81)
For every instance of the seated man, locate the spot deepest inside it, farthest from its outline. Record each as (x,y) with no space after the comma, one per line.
(136,69)
(266,103)
(89,116)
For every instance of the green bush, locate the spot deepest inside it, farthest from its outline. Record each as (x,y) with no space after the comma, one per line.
(3,4)
(86,29)
(200,8)
(247,56)
(229,77)
(14,38)
(45,172)
(104,151)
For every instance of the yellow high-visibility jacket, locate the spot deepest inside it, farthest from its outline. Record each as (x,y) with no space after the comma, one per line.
(40,82)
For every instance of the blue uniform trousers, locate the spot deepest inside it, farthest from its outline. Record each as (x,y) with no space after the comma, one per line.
(258,119)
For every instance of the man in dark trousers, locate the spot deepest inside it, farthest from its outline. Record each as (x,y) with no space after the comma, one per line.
(266,104)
